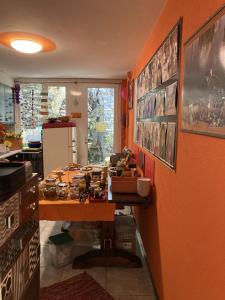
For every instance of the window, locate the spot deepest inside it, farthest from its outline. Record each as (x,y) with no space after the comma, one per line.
(31,107)
(30,103)
(56,101)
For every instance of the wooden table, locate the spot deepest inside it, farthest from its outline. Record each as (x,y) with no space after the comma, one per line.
(73,210)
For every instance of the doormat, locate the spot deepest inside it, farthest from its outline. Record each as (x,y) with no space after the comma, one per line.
(79,287)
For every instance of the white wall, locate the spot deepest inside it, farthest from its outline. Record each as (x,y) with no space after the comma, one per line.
(6,79)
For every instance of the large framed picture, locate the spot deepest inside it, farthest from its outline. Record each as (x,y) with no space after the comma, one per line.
(157,94)
(203,103)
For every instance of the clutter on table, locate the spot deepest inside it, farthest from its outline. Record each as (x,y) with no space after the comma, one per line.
(86,183)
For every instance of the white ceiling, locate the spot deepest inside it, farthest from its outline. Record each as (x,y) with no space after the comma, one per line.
(94,38)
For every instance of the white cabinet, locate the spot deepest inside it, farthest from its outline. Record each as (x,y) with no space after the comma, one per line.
(59,148)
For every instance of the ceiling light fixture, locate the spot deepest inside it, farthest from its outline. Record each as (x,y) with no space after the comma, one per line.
(26,42)
(26,46)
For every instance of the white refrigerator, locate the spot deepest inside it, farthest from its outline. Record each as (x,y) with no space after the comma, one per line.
(59,148)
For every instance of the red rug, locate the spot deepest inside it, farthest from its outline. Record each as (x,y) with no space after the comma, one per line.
(79,287)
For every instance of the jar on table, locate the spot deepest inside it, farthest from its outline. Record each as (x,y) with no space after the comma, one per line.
(97,193)
(92,188)
(62,190)
(74,192)
(50,181)
(79,179)
(49,188)
(96,175)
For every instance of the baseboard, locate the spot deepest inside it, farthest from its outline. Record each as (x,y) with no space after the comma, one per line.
(144,260)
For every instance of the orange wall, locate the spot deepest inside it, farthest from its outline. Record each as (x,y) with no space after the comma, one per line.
(184,230)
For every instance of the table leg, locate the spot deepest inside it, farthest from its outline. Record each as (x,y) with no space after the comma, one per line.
(108,255)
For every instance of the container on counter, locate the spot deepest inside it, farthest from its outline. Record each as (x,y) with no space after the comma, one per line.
(62,190)
(49,189)
(98,193)
(96,176)
(79,179)
(92,188)
(74,192)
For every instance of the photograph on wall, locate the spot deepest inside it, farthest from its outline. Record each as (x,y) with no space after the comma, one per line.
(154,72)
(159,67)
(146,74)
(139,133)
(170,99)
(173,61)
(155,138)
(165,60)
(138,87)
(142,83)
(170,143)
(150,75)
(162,140)
(159,105)
(203,103)
(140,109)
(170,56)
(152,105)
(130,94)
(147,107)
(147,135)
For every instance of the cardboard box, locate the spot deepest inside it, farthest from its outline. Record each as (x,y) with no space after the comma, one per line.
(124,184)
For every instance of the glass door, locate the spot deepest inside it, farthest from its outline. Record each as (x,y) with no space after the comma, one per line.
(101,104)
(98,127)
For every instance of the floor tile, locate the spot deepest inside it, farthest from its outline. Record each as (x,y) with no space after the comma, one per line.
(48,230)
(68,272)
(121,283)
(130,282)
(99,274)
(45,257)
(49,275)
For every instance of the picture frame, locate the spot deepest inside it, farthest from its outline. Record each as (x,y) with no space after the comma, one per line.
(130,94)
(203,101)
(171,99)
(170,143)
(157,93)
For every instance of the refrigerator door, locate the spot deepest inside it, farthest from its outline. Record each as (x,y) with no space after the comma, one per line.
(56,153)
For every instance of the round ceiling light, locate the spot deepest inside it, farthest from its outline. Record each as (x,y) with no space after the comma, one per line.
(26,46)
(26,42)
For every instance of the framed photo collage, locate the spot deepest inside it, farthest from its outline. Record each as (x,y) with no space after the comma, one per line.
(157,93)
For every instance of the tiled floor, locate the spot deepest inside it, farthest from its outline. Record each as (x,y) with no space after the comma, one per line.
(121,283)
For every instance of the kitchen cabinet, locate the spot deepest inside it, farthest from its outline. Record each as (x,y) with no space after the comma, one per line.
(7,109)
(20,250)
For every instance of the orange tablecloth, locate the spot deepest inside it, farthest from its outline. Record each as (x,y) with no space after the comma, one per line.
(72,210)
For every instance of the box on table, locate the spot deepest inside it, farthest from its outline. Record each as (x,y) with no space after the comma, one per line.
(120,184)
